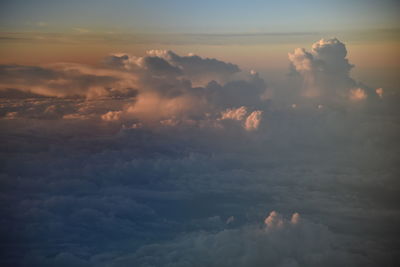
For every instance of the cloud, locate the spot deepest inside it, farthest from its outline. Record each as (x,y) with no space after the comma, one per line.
(168,160)
(199,70)
(41,24)
(379,92)
(357,94)
(81,30)
(250,121)
(162,62)
(326,72)
(12,93)
(161,85)
(234,114)
(253,120)
(112,116)
(279,242)
(231,219)
(59,80)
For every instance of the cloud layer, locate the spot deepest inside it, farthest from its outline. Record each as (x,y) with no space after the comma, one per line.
(169,160)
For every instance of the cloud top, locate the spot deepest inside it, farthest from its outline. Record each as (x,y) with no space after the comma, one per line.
(325,72)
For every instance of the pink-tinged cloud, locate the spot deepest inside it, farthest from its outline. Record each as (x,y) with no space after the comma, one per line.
(325,73)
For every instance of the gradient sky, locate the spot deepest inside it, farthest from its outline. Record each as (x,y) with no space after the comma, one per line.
(199,133)
(200,16)
(255,34)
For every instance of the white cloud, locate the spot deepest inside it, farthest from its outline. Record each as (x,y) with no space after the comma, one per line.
(325,72)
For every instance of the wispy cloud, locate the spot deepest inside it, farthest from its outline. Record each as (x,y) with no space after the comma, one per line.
(81,30)
(41,24)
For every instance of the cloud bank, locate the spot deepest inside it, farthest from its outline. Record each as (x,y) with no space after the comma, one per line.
(169,160)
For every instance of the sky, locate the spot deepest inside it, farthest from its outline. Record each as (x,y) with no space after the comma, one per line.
(201,17)
(39,32)
(199,133)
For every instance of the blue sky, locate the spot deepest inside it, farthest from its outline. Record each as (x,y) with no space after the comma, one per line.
(201,16)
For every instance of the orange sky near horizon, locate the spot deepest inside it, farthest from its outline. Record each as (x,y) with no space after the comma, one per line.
(375,62)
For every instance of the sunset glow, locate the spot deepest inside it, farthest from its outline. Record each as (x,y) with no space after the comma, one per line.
(199,133)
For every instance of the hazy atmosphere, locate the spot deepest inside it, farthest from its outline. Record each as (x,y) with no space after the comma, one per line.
(199,133)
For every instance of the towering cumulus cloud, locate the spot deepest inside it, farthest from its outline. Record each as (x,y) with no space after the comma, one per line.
(171,160)
(326,72)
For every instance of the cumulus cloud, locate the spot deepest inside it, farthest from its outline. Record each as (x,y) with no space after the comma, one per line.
(164,62)
(250,121)
(112,116)
(169,160)
(357,94)
(325,72)
(253,120)
(279,242)
(199,70)
(154,88)
(234,114)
